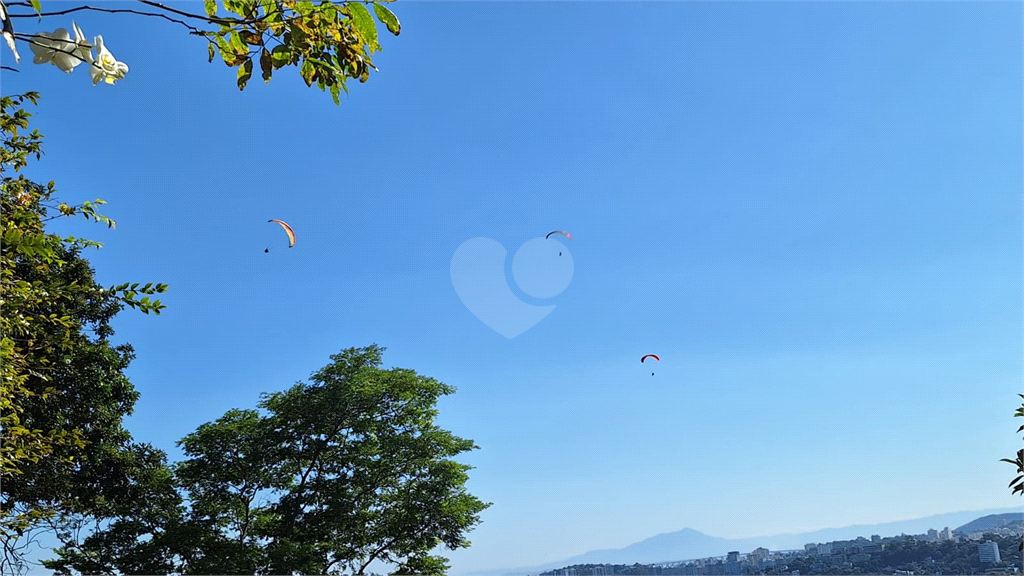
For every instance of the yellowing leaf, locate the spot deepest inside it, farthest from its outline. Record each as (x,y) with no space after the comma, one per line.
(388,18)
(364,25)
(244,73)
(266,65)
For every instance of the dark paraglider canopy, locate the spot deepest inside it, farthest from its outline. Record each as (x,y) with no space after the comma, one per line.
(655,356)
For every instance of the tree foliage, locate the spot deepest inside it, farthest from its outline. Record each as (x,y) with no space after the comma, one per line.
(1017,484)
(328,42)
(324,477)
(63,391)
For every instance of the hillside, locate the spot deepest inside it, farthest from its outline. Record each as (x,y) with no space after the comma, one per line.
(990,522)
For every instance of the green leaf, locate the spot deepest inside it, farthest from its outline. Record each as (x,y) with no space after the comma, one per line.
(335,91)
(266,65)
(388,18)
(274,20)
(226,52)
(35,4)
(238,44)
(237,6)
(281,56)
(244,73)
(212,51)
(211,7)
(364,24)
(307,71)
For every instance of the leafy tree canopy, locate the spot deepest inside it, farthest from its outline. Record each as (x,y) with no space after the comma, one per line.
(62,448)
(324,477)
(328,42)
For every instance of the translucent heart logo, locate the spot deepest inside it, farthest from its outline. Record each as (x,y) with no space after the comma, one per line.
(541,268)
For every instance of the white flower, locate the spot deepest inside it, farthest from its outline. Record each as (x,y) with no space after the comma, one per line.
(8,32)
(106,67)
(58,49)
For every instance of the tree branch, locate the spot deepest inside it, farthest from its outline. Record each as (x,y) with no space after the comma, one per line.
(211,20)
(111,11)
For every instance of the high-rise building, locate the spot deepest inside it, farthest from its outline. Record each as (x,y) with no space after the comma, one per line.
(824,549)
(988,552)
(946,534)
(933,534)
(876,538)
(733,557)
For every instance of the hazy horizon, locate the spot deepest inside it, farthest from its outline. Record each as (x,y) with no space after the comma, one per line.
(751,542)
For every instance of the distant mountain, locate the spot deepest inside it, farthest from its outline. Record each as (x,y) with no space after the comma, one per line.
(686,543)
(990,522)
(689,544)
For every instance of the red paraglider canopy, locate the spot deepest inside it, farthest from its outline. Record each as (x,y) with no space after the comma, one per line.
(655,356)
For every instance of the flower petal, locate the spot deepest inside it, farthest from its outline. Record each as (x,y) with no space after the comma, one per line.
(79,35)
(10,44)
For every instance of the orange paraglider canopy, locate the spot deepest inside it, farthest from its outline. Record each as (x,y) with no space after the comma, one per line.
(288,230)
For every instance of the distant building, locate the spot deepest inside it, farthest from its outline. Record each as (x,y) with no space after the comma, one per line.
(876,538)
(871,548)
(812,548)
(988,552)
(733,556)
(933,534)
(759,553)
(824,549)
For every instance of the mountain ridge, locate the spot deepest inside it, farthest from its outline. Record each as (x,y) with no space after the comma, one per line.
(690,544)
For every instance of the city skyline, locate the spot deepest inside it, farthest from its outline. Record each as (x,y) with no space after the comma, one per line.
(839,552)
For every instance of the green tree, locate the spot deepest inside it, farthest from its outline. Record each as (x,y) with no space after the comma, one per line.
(325,477)
(328,42)
(1017,484)
(63,391)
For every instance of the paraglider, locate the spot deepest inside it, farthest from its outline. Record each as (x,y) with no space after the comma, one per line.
(655,356)
(288,230)
(562,232)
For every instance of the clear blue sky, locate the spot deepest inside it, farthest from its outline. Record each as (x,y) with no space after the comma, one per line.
(811,211)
